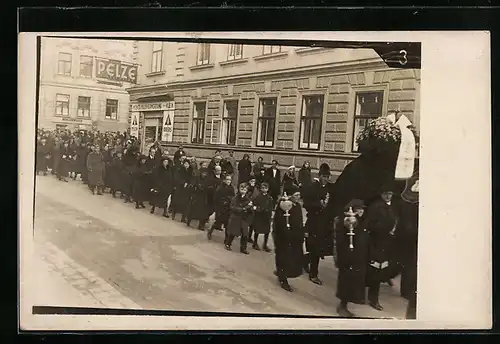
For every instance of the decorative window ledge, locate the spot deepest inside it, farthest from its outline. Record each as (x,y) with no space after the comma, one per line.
(233,62)
(309,50)
(281,54)
(202,67)
(161,72)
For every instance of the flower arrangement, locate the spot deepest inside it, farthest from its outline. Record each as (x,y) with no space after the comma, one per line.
(379,135)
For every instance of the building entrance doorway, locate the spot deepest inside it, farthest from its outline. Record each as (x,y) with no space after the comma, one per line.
(152,130)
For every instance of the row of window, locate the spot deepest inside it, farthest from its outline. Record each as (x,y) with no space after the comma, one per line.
(83,107)
(65,63)
(235,52)
(368,106)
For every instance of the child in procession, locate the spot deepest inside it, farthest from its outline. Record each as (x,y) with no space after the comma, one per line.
(261,223)
(239,219)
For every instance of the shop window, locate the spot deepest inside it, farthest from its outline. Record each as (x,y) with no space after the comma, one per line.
(266,122)
(83,107)
(235,52)
(368,107)
(203,54)
(64,64)
(86,66)
(198,126)
(157,57)
(229,122)
(111,109)
(271,49)
(310,121)
(62,105)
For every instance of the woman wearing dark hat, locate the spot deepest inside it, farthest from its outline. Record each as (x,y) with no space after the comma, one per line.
(200,207)
(381,222)
(319,225)
(351,260)
(288,241)
(140,183)
(162,184)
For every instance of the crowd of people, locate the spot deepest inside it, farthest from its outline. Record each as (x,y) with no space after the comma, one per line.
(249,201)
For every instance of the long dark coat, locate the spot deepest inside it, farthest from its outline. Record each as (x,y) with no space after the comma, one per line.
(141,183)
(95,167)
(305,178)
(274,183)
(319,225)
(42,157)
(180,197)
(81,159)
(261,222)
(244,170)
(240,216)
(129,161)
(407,241)
(380,221)
(222,201)
(107,157)
(289,183)
(163,180)
(65,161)
(215,183)
(56,156)
(114,172)
(288,242)
(201,203)
(352,264)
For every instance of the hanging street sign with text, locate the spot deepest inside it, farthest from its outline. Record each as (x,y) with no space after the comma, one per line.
(116,70)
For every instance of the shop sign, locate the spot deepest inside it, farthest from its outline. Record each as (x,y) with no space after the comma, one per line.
(162,106)
(134,124)
(116,70)
(168,126)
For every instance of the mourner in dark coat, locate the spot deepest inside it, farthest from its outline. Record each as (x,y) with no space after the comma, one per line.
(289,182)
(42,156)
(55,154)
(258,166)
(107,157)
(319,225)
(114,173)
(381,222)
(260,177)
(222,201)
(183,175)
(216,179)
(244,169)
(216,161)
(141,184)
(305,176)
(129,160)
(288,241)
(162,186)
(81,159)
(65,162)
(261,223)
(85,154)
(201,204)
(95,168)
(273,178)
(351,260)
(252,193)
(241,212)
(179,154)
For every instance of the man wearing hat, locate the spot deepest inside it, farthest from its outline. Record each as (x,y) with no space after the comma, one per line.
(352,255)
(319,225)
(381,223)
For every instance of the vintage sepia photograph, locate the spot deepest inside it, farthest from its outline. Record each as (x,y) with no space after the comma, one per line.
(211,177)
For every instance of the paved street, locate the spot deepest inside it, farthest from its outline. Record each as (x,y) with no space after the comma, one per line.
(96,251)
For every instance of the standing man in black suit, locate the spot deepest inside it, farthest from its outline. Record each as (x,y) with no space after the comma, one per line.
(273,177)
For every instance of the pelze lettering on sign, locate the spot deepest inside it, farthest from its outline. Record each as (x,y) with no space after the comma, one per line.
(116,71)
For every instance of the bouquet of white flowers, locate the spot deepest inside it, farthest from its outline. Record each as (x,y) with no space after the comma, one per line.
(379,135)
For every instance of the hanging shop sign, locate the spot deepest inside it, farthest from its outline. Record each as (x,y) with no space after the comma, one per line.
(116,70)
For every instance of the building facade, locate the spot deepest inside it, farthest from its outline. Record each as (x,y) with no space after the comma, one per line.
(74,93)
(292,104)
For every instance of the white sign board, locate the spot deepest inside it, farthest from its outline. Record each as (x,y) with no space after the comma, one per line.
(134,124)
(164,106)
(168,126)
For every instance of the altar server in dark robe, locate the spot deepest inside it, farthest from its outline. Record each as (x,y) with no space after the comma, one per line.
(381,222)
(141,183)
(162,186)
(42,156)
(351,260)
(201,205)
(241,211)
(288,241)
(319,225)
(222,201)
(65,162)
(95,168)
(261,223)
(180,198)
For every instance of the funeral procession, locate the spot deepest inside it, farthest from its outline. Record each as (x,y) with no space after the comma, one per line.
(217,177)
